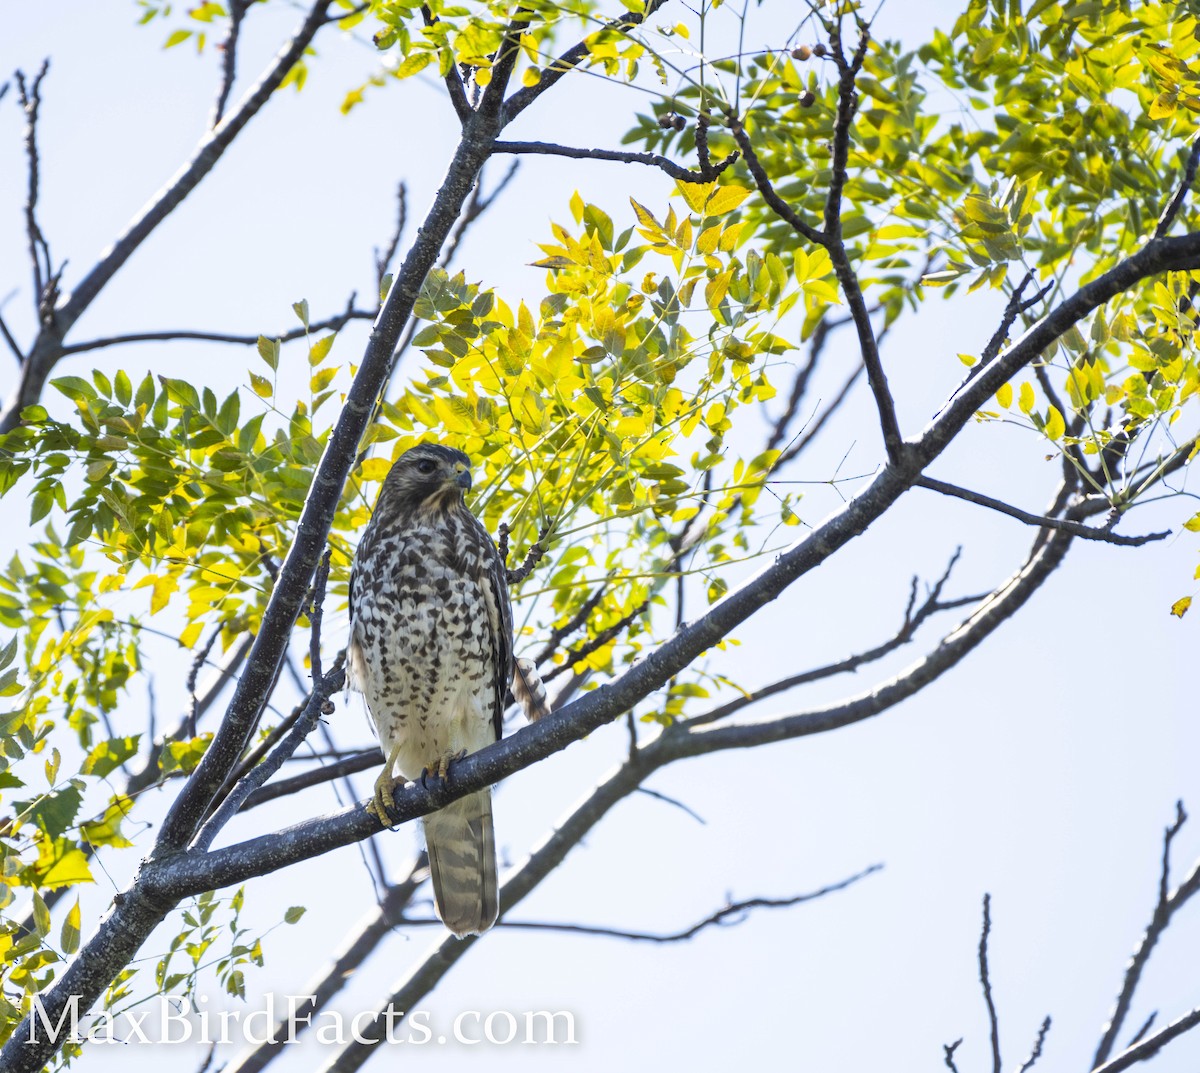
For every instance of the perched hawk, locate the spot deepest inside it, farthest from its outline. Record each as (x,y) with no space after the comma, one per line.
(431,647)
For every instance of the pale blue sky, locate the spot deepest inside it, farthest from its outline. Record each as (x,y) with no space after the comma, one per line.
(1043,769)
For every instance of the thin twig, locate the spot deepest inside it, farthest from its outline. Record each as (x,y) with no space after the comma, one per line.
(383,260)
(949,1049)
(653,160)
(1078,529)
(335,323)
(476,207)
(986,982)
(1036,1053)
(347,765)
(1167,904)
(228,47)
(453,80)
(732,914)
(1176,203)
(39,251)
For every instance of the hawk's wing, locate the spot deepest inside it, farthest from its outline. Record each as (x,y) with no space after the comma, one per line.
(500,626)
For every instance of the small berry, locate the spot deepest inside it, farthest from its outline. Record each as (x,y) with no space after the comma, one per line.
(807,99)
(820,50)
(666,120)
(802,52)
(679,122)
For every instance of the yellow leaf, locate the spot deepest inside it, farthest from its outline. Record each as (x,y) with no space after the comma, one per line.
(967,359)
(161,593)
(191,634)
(1004,396)
(531,76)
(375,469)
(1055,426)
(1180,607)
(1026,400)
(70,930)
(696,194)
(483,76)
(726,199)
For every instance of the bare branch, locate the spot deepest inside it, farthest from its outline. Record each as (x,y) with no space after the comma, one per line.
(353,954)
(12,343)
(1176,203)
(476,207)
(653,160)
(1149,1047)
(732,914)
(228,47)
(1168,903)
(780,207)
(335,323)
(453,80)
(986,982)
(1086,532)
(914,618)
(348,765)
(949,1049)
(44,278)
(668,800)
(1036,1053)
(384,259)
(47,348)
(535,554)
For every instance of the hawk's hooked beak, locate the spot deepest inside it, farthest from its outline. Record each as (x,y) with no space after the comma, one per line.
(463,480)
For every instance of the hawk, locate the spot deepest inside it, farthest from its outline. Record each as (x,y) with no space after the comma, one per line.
(431,648)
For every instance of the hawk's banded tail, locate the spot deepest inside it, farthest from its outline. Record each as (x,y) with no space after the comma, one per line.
(462,863)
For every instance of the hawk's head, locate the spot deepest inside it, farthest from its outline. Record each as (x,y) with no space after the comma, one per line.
(428,476)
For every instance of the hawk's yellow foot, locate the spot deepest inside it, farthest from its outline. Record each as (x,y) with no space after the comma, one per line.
(383,801)
(441,767)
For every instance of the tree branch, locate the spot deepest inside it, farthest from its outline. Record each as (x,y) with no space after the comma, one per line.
(568,61)
(47,348)
(237,11)
(732,914)
(653,160)
(986,983)
(1149,1047)
(1036,1053)
(335,323)
(1176,203)
(1085,532)
(453,80)
(1168,903)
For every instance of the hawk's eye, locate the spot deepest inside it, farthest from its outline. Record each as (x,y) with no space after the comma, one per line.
(426,466)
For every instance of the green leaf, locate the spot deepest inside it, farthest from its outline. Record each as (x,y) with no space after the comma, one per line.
(319,351)
(41,916)
(294,914)
(268,350)
(69,938)
(109,755)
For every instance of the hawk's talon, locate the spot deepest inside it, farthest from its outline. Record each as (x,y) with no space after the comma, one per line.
(441,768)
(381,804)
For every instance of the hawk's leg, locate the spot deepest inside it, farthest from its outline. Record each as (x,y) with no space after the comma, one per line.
(440,769)
(381,805)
